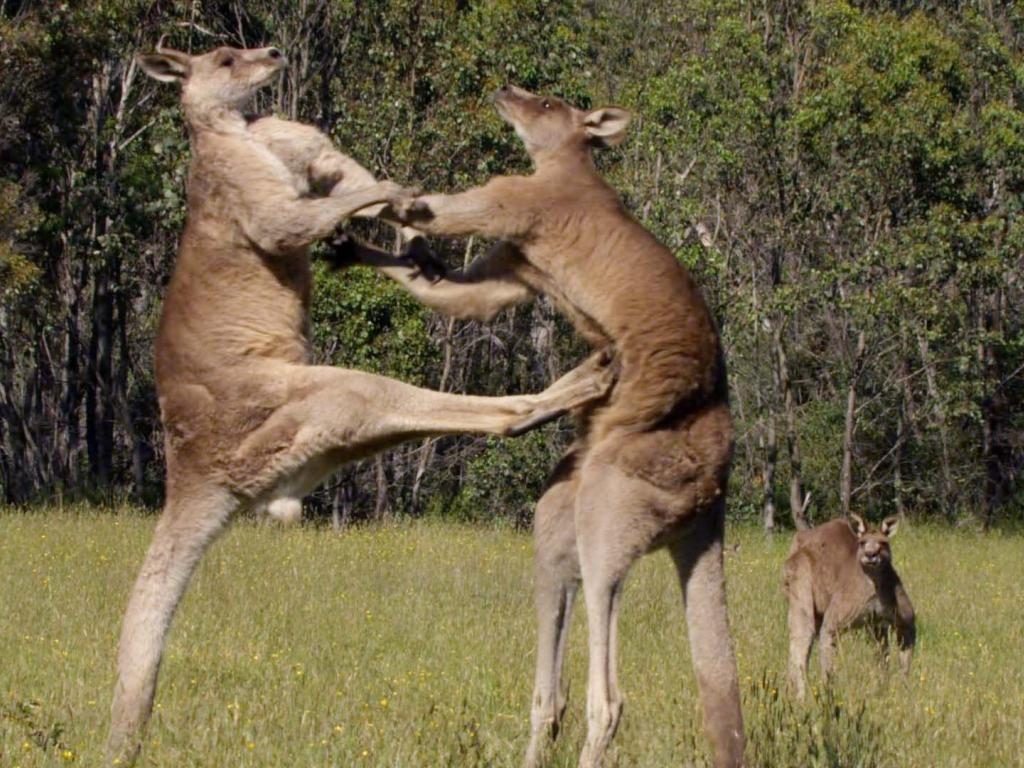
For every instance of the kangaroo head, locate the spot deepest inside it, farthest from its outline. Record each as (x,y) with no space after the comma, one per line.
(873,550)
(546,123)
(222,78)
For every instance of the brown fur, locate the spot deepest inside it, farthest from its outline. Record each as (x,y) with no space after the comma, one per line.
(651,465)
(248,421)
(839,575)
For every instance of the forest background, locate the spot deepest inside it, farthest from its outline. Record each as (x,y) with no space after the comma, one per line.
(844,179)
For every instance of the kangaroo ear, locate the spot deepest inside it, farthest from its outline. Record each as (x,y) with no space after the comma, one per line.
(606,127)
(167,66)
(857,524)
(889,526)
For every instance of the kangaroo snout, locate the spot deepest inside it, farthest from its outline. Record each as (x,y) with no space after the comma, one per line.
(500,95)
(509,92)
(271,56)
(279,59)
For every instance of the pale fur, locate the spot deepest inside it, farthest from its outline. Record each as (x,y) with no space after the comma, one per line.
(651,464)
(247,420)
(840,575)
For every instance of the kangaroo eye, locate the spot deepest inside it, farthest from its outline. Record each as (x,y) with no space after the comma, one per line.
(546,104)
(227,62)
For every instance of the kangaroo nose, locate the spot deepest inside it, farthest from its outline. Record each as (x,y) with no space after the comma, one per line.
(274,53)
(498,95)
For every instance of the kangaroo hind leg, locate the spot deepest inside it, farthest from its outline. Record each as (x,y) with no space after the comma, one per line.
(698,558)
(185,529)
(612,530)
(802,626)
(556,580)
(335,415)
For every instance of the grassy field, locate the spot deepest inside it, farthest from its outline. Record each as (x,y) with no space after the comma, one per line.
(412,645)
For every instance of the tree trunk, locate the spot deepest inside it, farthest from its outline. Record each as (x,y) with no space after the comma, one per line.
(846,474)
(341,502)
(797,500)
(72,393)
(949,496)
(990,323)
(101,387)
(770,451)
(99,390)
(897,463)
(380,505)
(749,454)
(136,443)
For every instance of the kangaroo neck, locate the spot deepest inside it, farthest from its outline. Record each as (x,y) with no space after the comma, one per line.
(565,159)
(203,119)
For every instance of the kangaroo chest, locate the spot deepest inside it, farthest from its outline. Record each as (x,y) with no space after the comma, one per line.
(564,296)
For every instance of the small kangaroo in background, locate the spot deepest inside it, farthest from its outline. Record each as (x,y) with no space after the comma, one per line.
(247,420)
(651,464)
(839,575)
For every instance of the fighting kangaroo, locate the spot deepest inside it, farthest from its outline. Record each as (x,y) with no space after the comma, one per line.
(650,466)
(247,420)
(838,575)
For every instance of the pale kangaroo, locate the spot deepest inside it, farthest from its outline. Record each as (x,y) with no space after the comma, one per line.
(650,467)
(839,575)
(247,420)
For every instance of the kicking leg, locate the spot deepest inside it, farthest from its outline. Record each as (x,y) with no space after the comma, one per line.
(400,411)
(590,380)
(331,415)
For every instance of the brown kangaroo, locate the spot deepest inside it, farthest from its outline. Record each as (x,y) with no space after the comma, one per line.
(247,420)
(650,467)
(838,575)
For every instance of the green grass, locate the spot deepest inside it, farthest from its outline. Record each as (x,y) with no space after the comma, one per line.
(412,645)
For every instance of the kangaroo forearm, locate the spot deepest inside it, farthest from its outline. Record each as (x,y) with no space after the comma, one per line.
(353,175)
(344,175)
(307,151)
(385,213)
(472,301)
(447,217)
(907,638)
(454,295)
(489,211)
(906,631)
(297,223)
(350,203)
(905,620)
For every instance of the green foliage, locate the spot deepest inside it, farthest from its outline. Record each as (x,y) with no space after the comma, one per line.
(17,272)
(506,479)
(823,168)
(358,322)
(821,439)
